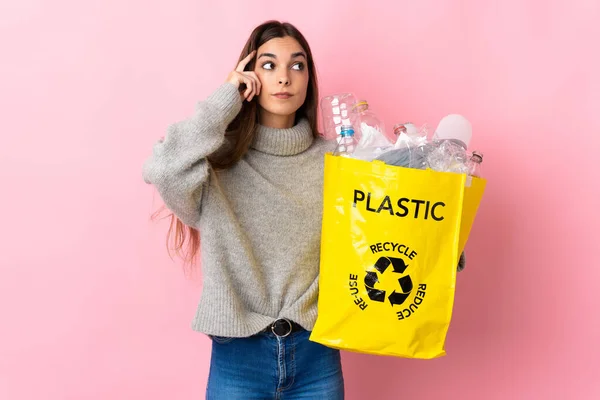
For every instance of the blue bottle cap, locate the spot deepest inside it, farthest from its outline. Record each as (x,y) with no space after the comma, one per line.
(347,130)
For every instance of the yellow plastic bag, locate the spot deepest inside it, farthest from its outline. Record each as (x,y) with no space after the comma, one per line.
(391,239)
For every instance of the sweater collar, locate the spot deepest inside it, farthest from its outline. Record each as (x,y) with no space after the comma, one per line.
(283,142)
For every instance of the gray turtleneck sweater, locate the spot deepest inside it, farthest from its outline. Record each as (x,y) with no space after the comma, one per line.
(259,222)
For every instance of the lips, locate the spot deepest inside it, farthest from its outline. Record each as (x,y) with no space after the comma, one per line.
(283,95)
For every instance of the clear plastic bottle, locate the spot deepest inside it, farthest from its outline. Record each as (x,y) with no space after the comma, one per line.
(372,128)
(413,143)
(448,155)
(475,164)
(347,142)
(449,145)
(336,110)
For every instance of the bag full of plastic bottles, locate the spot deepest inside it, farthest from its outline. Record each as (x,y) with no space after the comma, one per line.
(395,223)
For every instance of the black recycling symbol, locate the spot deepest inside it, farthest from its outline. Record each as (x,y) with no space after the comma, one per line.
(405,282)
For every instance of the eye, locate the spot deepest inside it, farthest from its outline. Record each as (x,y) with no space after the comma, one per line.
(298,66)
(268,65)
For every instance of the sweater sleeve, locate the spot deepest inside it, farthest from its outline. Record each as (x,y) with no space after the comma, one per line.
(178,166)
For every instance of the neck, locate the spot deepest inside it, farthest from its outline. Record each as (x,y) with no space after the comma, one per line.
(271,120)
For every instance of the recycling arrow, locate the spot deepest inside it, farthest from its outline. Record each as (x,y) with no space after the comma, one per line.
(398,266)
(406,285)
(397,298)
(371,279)
(374,294)
(382,264)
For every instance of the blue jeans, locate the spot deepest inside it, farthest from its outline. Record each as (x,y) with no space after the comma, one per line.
(265,366)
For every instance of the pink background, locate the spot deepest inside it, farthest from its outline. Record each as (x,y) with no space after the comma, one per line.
(91,306)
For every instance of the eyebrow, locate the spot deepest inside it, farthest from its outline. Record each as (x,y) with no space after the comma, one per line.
(294,55)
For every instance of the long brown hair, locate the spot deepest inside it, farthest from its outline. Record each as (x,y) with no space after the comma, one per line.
(241,131)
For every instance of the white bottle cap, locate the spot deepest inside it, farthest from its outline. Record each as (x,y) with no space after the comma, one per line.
(454,126)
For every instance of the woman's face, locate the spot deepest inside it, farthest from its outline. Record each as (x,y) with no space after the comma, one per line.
(281,66)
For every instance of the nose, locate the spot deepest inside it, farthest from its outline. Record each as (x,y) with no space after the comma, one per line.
(284,80)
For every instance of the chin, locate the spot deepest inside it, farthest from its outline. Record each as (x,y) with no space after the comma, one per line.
(281,109)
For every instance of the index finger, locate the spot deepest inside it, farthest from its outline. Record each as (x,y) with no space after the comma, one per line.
(245,61)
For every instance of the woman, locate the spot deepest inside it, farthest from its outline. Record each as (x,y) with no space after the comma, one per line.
(246,171)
